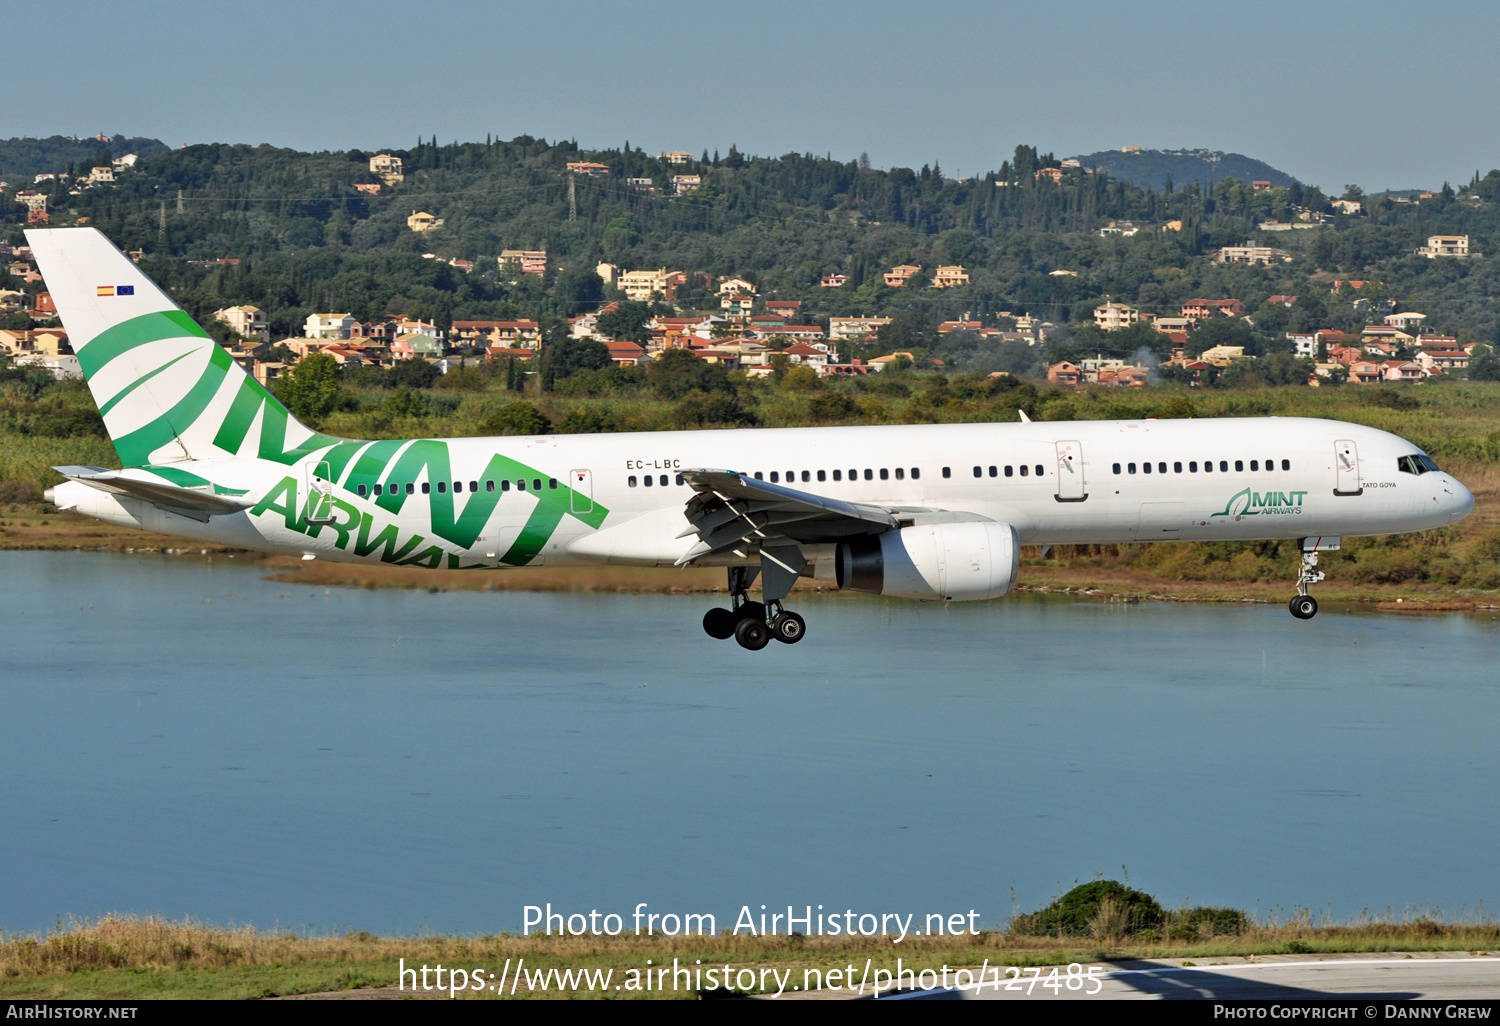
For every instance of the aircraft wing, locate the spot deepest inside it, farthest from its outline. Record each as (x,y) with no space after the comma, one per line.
(729,511)
(138,484)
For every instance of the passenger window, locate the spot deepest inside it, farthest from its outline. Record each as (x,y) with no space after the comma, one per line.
(1023,470)
(947,472)
(629,480)
(823,475)
(1208,466)
(774,477)
(647,482)
(473,486)
(838,475)
(885,475)
(361,491)
(1130,467)
(994,472)
(853,474)
(377,490)
(1161,468)
(458,486)
(978,472)
(680,481)
(489,486)
(411,489)
(808,477)
(1146,468)
(869,475)
(1193,467)
(662,482)
(551,484)
(758,477)
(1223,466)
(1041,471)
(1254,464)
(1239,465)
(1117,468)
(915,473)
(536,484)
(505,484)
(426,488)
(1270,464)
(521,484)
(442,488)
(1177,468)
(900,474)
(1286,464)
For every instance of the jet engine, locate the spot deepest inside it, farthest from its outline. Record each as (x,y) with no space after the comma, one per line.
(960,562)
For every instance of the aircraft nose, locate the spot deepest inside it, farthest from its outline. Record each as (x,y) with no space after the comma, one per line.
(1460,501)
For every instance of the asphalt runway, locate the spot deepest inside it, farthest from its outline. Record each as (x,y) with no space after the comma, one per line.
(1386,977)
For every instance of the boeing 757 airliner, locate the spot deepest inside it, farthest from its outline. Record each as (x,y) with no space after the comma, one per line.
(934,512)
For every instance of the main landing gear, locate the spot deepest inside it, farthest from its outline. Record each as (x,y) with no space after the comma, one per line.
(1303,605)
(752,624)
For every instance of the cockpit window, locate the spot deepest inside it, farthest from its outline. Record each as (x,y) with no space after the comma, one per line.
(1416,464)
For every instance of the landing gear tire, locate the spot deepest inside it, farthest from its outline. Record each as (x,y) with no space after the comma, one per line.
(720,623)
(753,634)
(1304,607)
(789,628)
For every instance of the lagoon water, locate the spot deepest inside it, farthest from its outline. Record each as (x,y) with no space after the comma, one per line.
(186,738)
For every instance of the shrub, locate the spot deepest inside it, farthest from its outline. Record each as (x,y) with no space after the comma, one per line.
(830,406)
(699,408)
(1077,913)
(521,418)
(583,421)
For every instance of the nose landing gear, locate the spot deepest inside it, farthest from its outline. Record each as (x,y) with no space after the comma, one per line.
(752,624)
(1303,605)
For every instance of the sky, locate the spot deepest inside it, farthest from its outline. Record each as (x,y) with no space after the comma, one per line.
(1376,93)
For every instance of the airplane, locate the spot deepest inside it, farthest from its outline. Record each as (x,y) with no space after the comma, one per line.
(925,512)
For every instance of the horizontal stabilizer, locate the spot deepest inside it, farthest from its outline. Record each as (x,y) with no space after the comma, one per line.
(199,503)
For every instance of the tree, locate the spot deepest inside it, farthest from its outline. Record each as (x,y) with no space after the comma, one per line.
(311,390)
(1484,365)
(677,372)
(410,374)
(572,355)
(627,323)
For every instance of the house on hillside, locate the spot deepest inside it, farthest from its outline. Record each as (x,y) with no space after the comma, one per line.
(950,276)
(328,325)
(422,221)
(1445,246)
(1252,254)
(248,321)
(1113,316)
(1203,309)
(898,276)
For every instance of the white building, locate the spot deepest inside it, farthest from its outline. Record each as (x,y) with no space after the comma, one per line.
(1445,245)
(328,325)
(1113,316)
(248,321)
(843,328)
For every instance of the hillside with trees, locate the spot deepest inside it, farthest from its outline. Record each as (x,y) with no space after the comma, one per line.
(306,238)
(1158,169)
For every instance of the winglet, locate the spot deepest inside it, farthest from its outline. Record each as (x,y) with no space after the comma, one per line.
(1024,419)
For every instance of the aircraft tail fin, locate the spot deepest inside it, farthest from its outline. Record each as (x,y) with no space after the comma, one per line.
(168,393)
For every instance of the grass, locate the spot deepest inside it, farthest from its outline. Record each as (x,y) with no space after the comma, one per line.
(131,957)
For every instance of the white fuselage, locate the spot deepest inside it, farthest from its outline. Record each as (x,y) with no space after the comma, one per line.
(1068,482)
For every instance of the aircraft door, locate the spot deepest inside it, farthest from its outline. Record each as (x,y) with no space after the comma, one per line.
(1070,484)
(320,494)
(1346,468)
(581,486)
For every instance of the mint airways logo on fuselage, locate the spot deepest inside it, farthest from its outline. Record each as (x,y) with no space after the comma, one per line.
(1250,503)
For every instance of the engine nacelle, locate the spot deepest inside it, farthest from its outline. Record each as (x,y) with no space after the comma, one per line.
(961,562)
